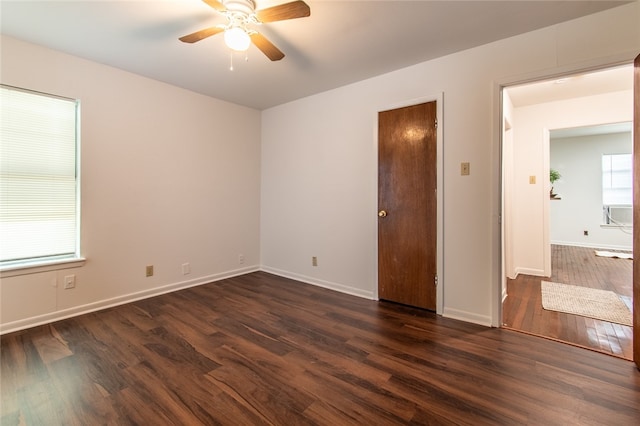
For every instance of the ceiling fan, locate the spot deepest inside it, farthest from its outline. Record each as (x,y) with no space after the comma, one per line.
(242,13)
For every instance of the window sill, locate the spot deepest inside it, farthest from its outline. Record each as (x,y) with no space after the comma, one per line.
(35,268)
(605,225)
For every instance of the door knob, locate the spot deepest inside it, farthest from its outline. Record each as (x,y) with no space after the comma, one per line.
(382,213)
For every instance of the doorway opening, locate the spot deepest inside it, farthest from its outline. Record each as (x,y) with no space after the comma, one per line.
(552,232)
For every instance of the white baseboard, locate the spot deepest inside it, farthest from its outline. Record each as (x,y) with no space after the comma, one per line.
(530,271)
(132,297)
(448,312)
(593,246)
(320,283)
(467,316)
(119,300)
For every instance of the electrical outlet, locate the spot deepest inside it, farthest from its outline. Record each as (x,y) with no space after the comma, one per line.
(186,268)
(241,259)
(149,271)
(314,261)
(69,282)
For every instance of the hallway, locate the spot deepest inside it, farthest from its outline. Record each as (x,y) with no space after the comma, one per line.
(522,309)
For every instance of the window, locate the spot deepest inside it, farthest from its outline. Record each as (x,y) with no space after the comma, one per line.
(617,194)
(39,185)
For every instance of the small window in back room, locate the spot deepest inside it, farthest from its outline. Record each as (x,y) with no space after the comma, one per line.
(617,194)
(39,185)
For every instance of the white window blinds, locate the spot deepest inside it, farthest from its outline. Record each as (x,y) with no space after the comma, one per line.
(617,180)
(38,176)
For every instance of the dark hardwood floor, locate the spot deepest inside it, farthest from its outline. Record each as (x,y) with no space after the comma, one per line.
(522,310)
(260,349)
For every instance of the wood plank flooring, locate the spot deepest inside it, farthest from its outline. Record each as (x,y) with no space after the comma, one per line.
(522,310)
(261,349)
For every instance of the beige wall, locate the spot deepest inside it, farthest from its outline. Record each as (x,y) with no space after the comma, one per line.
(531,237)
(319,161)
(168,177)
(172,177)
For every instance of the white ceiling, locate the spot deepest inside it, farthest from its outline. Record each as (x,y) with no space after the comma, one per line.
(601,129)
(593,83)
(340,43)
(614,79)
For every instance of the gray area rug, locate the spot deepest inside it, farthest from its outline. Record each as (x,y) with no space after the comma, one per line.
(587,302)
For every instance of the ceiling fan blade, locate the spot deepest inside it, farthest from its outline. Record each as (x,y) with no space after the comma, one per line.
(215,4)
(295,9)
(199,35)
(268,48)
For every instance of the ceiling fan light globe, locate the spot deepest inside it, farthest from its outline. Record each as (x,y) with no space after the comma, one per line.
(237,39)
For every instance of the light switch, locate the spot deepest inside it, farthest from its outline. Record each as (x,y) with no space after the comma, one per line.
(464,169)
(532,180)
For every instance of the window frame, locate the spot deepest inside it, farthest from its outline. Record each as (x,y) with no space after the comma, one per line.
(57,261)
(606,207)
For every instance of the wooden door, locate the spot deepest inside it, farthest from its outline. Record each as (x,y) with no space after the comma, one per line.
(407,205)
(636,212)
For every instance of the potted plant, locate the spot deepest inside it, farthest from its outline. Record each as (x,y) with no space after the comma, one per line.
(554,175)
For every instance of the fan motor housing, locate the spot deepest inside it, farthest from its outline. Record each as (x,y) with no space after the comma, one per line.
(245,7)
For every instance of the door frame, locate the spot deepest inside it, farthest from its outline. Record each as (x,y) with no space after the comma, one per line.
(439,99)
(498,85)
(636,220)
